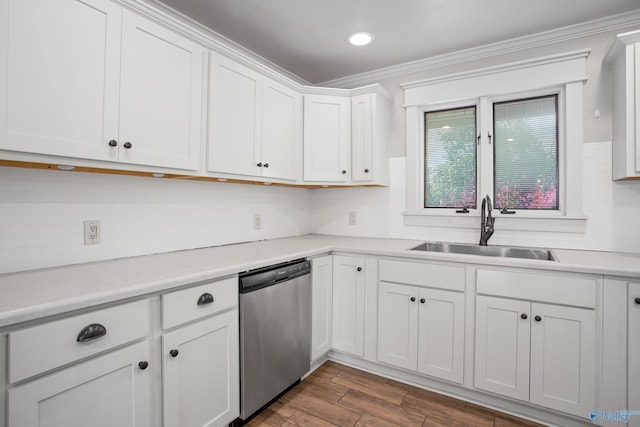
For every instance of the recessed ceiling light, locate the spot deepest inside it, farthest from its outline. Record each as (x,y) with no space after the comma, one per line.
(446,127)
(360,38)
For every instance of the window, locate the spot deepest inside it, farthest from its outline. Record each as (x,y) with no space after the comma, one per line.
(523,139)
(514,132)
(525,153)
(450,158)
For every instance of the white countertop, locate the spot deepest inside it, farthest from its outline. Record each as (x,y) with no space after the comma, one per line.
(36,294)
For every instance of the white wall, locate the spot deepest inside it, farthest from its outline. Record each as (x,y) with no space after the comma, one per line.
(613,211)
(42,214)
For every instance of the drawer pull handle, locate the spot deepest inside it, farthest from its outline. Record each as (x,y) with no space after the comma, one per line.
(173,353)
(359,269)
(524,316)
(538,318)
(143,365)
(413,299)
(91,332)
(205,299)
(422,300)
(637,300)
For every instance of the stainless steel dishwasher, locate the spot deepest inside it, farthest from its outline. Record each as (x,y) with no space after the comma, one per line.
(275,332)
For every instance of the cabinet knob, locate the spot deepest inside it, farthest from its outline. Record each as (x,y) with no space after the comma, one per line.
(266,165)
(205,299)
(91,332)
(173,353)
(344,172)
(113,143)
(359,269)
(422,300)
(143,365)
(366,171)
(259,164)
(413,299)
(524,316)
(127,145)
(538,318)
(637,300)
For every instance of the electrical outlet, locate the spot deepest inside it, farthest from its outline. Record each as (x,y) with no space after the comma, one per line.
(352,218)
(91,232)
(257,221)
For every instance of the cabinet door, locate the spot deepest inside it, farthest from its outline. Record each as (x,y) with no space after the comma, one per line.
(502,346)
(441,334)
(59,68)
(361,138)
(201,373)
(160,96)
(327,135)
(634,351)
(348,304)
(235,105)
(281,136)
(110,390)
(322,298)
(563,358)
(398,325)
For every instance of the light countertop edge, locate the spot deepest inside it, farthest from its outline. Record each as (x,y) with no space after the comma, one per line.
(36,294)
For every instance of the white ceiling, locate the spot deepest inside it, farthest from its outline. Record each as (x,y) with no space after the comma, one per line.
(308,37)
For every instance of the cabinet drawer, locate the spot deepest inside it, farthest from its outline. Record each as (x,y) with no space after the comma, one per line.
(53,344)
(423,274)
(199,301)
(538,286)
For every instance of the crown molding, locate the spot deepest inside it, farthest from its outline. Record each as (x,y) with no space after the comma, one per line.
(585,29)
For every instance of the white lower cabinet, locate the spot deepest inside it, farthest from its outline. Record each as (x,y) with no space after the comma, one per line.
(421,329)
(200,360)
(201,373)
(321,301)
(541,353)
(106,391)
(634,352)
(348,304)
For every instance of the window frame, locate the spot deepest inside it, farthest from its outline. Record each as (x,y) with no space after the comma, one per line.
(562,75)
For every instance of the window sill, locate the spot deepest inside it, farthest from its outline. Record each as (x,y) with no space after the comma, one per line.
(560,224)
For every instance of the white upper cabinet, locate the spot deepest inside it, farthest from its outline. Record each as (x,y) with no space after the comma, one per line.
(345,137)
(370,119)
(234,117)
(254,122)
(327,138)
(60,66)
(160,96)
(281,131)
(90,80)
(624,57)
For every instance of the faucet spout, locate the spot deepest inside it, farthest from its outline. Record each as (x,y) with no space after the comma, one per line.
(486,221)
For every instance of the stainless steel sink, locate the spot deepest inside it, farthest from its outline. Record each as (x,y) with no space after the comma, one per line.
(493,251)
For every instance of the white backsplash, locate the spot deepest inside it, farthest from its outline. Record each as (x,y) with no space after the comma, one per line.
(42,214)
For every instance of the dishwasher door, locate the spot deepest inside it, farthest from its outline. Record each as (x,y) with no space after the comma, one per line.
(275,341)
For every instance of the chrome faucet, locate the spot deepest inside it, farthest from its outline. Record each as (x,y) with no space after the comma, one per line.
(486,221)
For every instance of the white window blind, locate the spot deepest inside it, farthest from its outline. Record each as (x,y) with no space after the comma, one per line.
(526,153)
(450,158)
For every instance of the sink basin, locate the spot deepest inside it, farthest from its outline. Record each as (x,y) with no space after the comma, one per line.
(493,251)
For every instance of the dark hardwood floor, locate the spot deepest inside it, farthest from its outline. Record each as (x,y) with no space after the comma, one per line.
(337,395)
